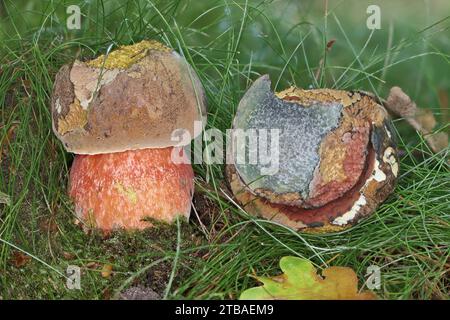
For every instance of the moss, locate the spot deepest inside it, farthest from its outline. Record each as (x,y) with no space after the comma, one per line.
(125,56)
(128,252)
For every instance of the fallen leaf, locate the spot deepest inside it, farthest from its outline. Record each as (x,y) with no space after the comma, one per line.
(400,103)
(68,255)
(107,294)
(19,259)
(92,265)
(300,281)
(426,119)
(422,120)
(48,225)
(107,270)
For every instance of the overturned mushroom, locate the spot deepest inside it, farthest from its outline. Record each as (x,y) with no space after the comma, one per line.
(118,113)
(337,160)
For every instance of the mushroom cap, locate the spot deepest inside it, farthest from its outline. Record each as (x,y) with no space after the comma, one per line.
(135,97)
(337,158)
(122,189)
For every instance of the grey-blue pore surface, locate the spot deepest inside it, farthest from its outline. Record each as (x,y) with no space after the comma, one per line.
(302,129)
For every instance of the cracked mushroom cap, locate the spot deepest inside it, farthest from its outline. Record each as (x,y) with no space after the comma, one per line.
(337,160)
(133,98)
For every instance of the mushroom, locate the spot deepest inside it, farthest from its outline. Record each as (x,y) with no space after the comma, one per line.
(336,157)
(118,114)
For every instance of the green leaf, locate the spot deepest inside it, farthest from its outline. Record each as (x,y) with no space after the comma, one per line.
(300,281)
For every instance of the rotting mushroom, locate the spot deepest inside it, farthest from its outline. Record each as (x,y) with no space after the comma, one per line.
(118,113)
(337,157)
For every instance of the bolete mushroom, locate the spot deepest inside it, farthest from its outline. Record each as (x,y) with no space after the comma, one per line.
(337,159)
(118,113)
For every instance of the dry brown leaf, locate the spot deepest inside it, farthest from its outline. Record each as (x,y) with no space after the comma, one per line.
(48,225)
(19,259)
(68,255)
(92,265)
(107,294)
(425,118)
(422,120)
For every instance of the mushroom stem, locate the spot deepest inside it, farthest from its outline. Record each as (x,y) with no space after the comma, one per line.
(129,189)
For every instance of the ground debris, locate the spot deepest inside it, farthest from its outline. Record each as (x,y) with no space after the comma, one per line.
(139,293)
(19,259)
(420,119)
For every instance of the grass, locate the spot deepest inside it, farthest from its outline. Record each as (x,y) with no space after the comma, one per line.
(229,44)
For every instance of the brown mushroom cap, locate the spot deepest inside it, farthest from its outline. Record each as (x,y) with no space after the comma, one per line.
(355,169)
(134,98)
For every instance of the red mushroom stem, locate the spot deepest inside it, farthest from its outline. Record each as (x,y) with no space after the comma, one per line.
(121,190)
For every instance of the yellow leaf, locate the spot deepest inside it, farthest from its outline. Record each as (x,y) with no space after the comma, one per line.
(107,270)
(300,281)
